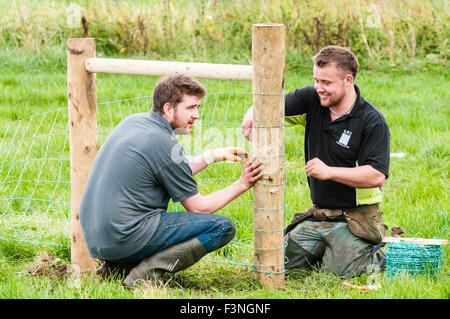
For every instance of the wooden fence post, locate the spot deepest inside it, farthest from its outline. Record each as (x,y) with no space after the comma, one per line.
(268,63)
(268,66)
(82,100)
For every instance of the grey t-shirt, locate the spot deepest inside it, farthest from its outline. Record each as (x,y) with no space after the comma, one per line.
(137,170)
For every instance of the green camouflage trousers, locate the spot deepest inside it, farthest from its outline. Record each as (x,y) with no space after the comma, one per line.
(332,246)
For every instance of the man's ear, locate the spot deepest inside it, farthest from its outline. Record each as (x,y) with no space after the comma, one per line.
(348,79)
(168,109)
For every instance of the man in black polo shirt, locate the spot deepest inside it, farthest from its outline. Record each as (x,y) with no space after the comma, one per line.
(347,162)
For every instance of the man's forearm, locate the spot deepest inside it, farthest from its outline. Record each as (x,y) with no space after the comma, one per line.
(219,199)
(359,177)
(215,201)
(364,176)
(197,164)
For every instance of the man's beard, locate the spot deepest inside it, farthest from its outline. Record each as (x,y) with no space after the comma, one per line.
(334,101)
(178,127)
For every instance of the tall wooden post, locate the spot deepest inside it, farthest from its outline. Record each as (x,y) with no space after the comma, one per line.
(268,62)
(82,98)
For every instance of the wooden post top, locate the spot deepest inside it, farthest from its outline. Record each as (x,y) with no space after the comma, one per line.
(268,24)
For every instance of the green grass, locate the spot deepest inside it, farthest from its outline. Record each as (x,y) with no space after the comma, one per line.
(414,101)
(382,32)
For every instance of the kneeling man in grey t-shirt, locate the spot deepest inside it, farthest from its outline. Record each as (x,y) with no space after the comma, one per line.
(139,168)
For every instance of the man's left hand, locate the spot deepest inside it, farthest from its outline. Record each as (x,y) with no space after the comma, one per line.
(315,168)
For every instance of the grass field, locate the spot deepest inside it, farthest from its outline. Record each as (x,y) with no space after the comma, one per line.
(415,103)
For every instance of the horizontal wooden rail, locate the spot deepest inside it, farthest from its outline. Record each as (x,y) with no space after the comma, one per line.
(162,68)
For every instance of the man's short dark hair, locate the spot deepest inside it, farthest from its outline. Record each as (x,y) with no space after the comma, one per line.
(343,57)
(172,88)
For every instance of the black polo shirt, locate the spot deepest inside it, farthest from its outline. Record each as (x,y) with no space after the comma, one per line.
(358,138)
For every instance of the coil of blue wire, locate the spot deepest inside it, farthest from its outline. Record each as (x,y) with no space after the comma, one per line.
(413,258)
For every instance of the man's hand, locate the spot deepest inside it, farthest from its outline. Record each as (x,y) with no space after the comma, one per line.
(315,168)
(251,172)
(364,176)
(247,123)
(225,154)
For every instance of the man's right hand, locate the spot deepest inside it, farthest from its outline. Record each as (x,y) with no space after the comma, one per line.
(251,172)
(247,123)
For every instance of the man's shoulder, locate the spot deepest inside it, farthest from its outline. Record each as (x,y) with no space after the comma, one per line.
(144,125)
(371,114)
(139,133)
(299,101)
(305,92)
(138,118)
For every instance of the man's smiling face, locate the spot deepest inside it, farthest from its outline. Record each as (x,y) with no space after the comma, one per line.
(329,83)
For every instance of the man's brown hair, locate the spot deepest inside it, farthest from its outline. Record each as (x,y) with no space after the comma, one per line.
(343,57)
(171,89)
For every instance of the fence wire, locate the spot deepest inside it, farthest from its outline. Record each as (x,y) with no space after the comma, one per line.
(35,171)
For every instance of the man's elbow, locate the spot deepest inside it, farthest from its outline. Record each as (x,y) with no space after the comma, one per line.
(196,204)
(203,210)
(197,208)
(379,180)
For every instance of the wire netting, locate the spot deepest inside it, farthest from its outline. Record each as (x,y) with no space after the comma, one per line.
(35,171)
(35,179)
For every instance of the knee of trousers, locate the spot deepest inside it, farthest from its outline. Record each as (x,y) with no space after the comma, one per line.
(228,230)
(223,233)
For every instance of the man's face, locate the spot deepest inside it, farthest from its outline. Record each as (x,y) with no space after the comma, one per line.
(330,83)
(185,114)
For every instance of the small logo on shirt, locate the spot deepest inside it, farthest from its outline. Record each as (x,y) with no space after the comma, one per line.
(345,137)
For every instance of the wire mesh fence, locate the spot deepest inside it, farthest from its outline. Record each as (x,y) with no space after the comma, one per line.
(35,171)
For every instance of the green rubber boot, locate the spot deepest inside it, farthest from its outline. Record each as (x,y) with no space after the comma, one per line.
(109,270)
(172,259)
